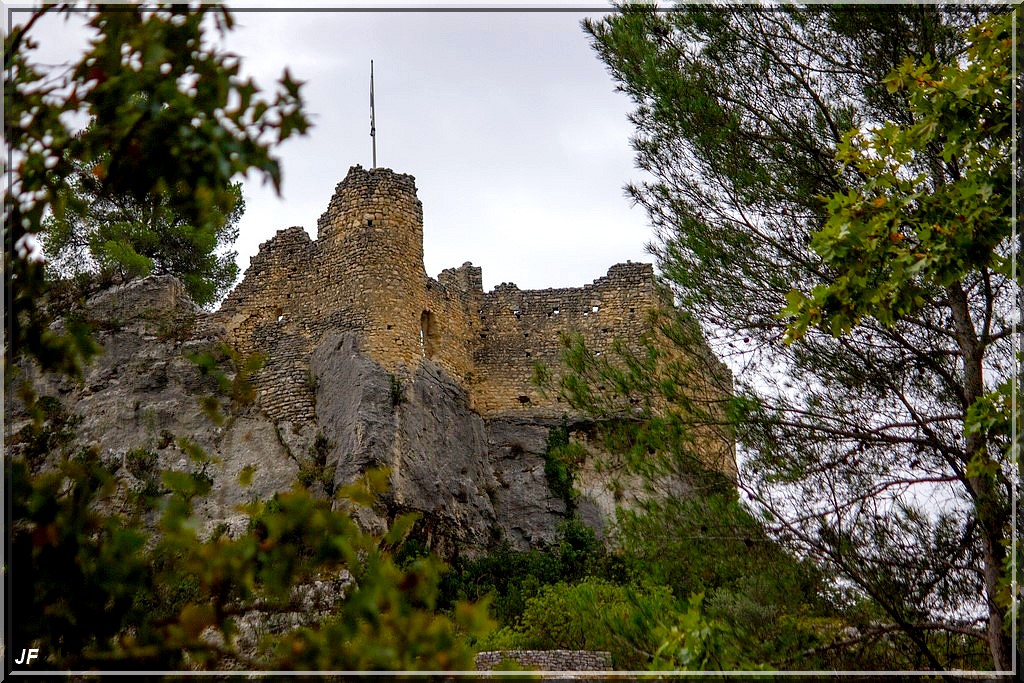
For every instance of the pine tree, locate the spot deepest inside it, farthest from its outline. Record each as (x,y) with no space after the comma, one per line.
(854,443)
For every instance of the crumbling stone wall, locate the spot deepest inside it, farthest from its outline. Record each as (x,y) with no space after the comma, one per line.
(266,313)
(547,660)
(364,274)
(450,319)
(522,328)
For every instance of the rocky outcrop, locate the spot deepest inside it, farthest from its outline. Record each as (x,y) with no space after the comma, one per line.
(141,394)
(475,481)
(422,429)
(524,503)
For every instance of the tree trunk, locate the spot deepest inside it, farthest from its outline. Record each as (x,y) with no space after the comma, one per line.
(991,517)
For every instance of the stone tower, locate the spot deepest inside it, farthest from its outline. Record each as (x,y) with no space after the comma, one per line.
(371,243)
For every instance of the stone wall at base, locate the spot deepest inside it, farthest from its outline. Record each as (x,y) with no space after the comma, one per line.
(547,660)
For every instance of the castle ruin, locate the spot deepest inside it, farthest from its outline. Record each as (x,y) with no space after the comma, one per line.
(364,274)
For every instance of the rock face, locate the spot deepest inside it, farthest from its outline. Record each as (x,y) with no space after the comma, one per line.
(475,481)
(142,393)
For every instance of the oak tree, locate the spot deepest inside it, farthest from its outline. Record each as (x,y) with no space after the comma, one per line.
(170,117)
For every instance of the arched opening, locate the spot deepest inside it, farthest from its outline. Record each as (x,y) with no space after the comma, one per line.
(427,334)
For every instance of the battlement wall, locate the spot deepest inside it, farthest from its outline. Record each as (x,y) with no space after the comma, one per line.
(520,328)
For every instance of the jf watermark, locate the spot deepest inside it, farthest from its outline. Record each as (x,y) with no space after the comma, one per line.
(27,656)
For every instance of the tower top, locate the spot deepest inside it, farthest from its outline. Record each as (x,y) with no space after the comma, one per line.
(376,180)
(367,192)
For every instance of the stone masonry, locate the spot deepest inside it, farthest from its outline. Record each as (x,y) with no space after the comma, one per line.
(547,660)
(364,274)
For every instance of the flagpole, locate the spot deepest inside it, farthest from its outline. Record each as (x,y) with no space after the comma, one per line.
(373,119)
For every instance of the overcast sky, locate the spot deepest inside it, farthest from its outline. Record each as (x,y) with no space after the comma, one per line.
(508,120)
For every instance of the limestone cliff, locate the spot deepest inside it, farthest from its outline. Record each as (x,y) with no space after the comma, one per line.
(369,363)
(475,481)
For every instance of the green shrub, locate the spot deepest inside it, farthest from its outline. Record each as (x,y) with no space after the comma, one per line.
(315,469)
(397,391)
(48,435)
(593,614)
(141,463)
(511,577)
(151,599)
(562,457)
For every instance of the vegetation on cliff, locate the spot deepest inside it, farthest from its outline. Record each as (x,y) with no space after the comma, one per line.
(101,236)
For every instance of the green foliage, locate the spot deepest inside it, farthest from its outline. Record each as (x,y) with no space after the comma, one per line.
(561,459)
(661,402)
(100,234)
(739,117)
(397,391)
(97,589)
(235,383)
(908,232)
(658,414)
(141,463)
(707,542)
(693,642)
(172,124)
(315,470)
(902,232)
(710,544)
(122,255)
(171,117)
(49,432)
(79,573)
(509,578)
